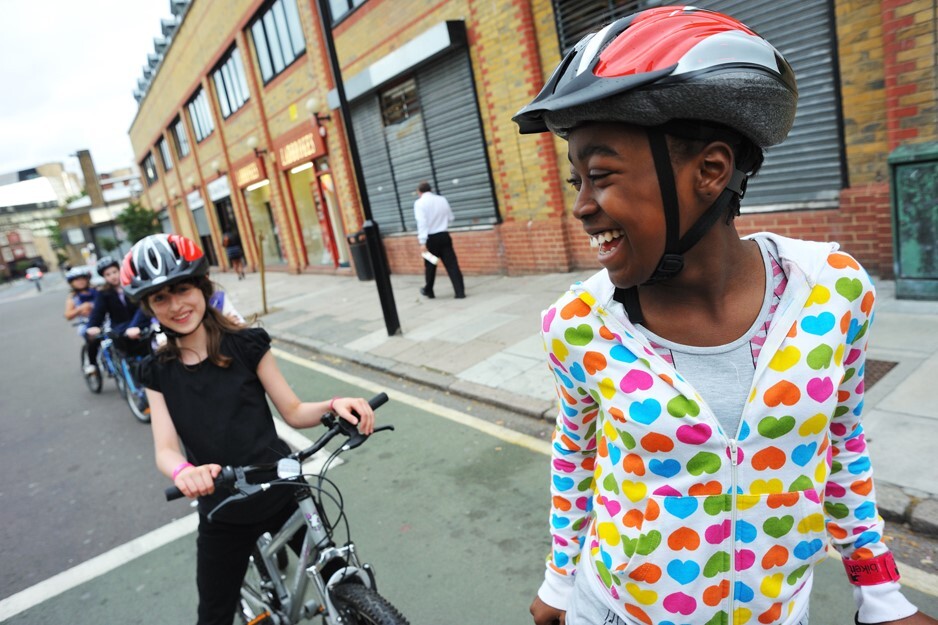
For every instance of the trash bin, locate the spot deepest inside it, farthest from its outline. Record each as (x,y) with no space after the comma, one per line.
(358,248)
(914,175)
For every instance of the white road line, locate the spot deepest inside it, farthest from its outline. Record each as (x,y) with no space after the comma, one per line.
(97,566)
(498,431)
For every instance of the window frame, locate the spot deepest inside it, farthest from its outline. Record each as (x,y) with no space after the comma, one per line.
(165,157)
(269,55)
(148,165)
(406,92)
(231,89)
(352,5)
(200,116)
(180,138)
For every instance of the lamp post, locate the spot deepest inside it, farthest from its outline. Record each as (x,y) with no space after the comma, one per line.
(370,227)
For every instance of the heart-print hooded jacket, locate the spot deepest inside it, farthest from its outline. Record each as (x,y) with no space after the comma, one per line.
(678,517)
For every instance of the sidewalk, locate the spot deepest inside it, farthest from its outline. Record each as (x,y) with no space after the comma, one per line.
(487,347)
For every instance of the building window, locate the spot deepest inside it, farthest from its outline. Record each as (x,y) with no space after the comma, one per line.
(278,38)
(340,8)
(399,103)
(149,170)
(182,141)
(230,84)
(199,115)
(163,149)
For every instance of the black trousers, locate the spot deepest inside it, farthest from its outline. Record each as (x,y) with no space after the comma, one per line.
(223,553)
(441,245)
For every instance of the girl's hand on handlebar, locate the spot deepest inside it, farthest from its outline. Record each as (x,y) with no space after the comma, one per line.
(344,407)
(197,481)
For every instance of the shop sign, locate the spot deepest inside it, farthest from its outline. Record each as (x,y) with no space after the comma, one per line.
(248,173)
(299,146)
(218,188)
(194,200)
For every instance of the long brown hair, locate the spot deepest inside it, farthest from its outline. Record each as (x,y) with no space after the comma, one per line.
(216,326)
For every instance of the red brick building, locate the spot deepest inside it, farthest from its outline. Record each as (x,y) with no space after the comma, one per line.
(239,128)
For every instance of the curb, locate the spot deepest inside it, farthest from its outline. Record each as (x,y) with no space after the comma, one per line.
(529,407)
(917,509)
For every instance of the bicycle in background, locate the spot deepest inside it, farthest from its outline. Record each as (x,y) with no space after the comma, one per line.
(121,364)
(344,589)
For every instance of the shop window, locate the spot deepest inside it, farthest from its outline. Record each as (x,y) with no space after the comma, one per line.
(163,149)
(341,8)
(399,103)
(230,84)
(180,138)
(278,38)
(200,116)
(149,170)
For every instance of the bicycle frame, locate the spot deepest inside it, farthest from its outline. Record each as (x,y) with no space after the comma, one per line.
(106,356)
(311,564)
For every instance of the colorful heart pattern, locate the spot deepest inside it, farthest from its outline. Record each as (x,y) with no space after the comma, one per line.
(643,477)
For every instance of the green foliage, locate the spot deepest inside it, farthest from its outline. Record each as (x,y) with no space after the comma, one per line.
(107,244)
(138,222)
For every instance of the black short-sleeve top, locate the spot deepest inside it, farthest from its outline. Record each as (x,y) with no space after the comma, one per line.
(222,416)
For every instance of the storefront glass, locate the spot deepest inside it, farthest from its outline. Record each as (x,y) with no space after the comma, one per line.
(327,186)
(257,198)
(313,217)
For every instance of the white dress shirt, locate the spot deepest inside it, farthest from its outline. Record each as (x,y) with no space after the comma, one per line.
(433,214)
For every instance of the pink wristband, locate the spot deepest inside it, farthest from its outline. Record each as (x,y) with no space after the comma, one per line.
(332,403)
(179,469)
(872,571)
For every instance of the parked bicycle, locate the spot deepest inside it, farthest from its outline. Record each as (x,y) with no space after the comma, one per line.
(345,588)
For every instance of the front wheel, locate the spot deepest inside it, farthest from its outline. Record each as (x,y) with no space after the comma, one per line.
(135,395)
(93,380)
(359,605)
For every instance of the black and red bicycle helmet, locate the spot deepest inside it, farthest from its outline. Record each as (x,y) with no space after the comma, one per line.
(160,260)
(682,71)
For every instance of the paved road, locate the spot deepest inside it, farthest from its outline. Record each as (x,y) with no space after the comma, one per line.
(450,508)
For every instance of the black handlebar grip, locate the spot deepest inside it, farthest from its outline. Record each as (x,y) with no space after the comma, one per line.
(378,400)
(173,493)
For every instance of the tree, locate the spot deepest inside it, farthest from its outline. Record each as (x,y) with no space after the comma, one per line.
(138,222)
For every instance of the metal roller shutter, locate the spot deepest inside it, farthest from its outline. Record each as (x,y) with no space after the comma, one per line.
(808,166)
(457,147)
(376,165)
(441,143)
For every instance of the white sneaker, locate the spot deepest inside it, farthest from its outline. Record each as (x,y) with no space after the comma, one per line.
(90,370)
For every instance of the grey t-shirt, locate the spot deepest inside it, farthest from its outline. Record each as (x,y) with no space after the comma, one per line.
(722,374)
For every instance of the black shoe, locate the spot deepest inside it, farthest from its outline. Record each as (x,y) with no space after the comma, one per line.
(426,293)
(463,296)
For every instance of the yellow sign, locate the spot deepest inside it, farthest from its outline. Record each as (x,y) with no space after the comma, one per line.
(292,110)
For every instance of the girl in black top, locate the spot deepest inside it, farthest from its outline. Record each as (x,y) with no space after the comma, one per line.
(208,387)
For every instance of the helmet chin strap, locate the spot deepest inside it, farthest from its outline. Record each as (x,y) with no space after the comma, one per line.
(672,261)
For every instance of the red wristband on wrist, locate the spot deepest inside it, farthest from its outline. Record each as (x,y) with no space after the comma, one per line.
(332,403)
(179,469)
(873,571)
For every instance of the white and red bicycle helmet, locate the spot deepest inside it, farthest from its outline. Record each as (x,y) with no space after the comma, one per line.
(160,260)
(682,71)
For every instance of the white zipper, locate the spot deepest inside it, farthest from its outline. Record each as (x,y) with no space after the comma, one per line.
(734,456)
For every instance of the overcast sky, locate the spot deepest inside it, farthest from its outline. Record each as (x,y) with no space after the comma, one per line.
(68,70)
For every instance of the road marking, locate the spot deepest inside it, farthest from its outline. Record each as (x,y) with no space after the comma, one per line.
(97,566)
(498,431)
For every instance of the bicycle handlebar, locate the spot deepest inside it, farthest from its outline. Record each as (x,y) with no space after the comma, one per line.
(235,477)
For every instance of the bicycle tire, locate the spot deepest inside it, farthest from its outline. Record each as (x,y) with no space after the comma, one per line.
(93,380)
(360,605)
(135,396)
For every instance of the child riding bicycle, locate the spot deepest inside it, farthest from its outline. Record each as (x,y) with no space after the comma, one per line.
(78,305)
(709,440)
(208,388)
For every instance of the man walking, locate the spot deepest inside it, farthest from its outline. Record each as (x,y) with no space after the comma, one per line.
(433,214)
